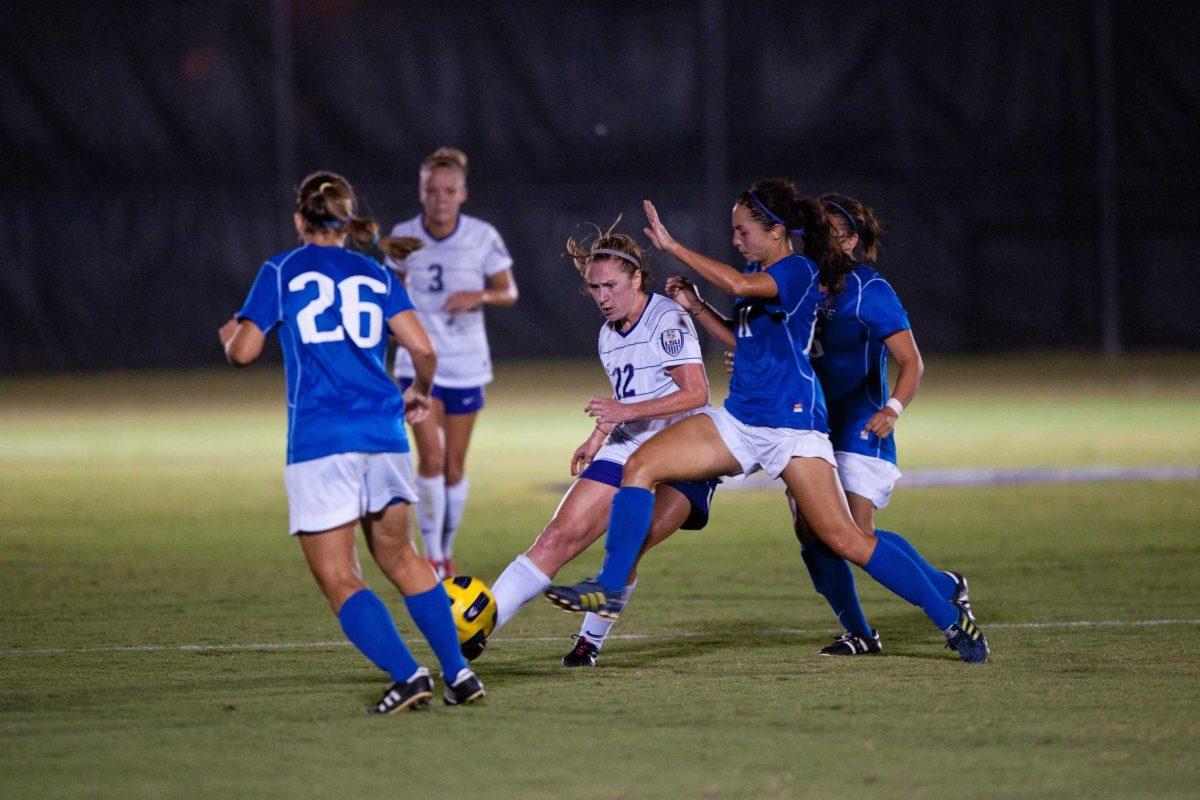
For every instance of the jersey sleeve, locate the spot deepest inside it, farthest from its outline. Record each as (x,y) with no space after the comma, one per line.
(496,257)
(396,300)
(263,306)
(881,310)
(793,281)
(676,339)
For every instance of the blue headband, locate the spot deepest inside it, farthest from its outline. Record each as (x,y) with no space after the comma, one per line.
(767,211)
(336,224)
(846,214)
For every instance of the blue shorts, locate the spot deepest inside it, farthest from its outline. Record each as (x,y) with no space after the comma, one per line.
(456,401)
(698,493)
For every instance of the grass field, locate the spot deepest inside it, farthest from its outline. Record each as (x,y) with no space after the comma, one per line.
(161,636)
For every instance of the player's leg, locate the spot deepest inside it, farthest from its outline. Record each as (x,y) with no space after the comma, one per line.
(833,579)
(428,604)
(459,423)
(819,496)
(690,450)
(431,483)
(577,522)
(333,559)
(672,508)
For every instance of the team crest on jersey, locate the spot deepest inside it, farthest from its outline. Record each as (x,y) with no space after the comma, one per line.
(672,341)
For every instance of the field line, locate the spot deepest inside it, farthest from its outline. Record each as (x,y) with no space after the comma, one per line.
(249,646)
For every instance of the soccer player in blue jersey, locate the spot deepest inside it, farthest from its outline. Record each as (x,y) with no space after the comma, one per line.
(775,416)
(856,330)
(347,452)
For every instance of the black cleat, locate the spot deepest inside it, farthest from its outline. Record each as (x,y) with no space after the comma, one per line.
(587,595)
(961,597)
(467,689)
(405,696)
(473,647)
(583,654)
(853,644)
(967,640)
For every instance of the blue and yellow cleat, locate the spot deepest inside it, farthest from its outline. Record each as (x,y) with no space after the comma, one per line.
(587,595)
(961,596)
(967,640)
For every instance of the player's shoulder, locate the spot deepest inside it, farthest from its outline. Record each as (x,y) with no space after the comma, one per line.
(870,281)
(661,309)
(475,229)
(278,260)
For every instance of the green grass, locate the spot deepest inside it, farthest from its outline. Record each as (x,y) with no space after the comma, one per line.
(149,510)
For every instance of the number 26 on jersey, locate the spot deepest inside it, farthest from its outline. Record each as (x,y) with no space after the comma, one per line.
(353,309)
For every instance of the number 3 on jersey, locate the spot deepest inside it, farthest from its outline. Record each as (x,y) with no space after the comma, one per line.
(436,284)
(617,374)
(352,309)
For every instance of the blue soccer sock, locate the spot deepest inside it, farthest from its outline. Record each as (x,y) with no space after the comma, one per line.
(891,567)
(369,627)
(834,579)
(940,580)
(431,611)
(628,526)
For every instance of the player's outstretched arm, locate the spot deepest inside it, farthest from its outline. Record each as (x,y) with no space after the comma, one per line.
(692,394)
(719,274)
(684,292)
(243,341)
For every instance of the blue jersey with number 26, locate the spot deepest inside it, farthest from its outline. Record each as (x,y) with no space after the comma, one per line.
(332,306)
(851,359)
(773,383)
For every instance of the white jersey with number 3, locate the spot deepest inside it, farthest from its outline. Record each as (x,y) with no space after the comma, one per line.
(637,362)
(460,262)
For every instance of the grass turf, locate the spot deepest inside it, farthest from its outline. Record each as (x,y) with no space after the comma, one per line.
(148,510)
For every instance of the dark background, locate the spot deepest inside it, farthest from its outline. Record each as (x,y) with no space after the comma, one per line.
(1036,163)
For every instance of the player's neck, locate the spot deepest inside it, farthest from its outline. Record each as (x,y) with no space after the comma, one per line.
(439,230)
(632,318)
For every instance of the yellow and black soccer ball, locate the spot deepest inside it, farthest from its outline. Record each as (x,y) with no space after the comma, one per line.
(474,612)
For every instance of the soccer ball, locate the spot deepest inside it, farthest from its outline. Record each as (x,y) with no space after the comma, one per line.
(474,612)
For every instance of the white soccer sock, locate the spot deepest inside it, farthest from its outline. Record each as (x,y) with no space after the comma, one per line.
(595,628)
(520,582)
(456,501)
(431,511)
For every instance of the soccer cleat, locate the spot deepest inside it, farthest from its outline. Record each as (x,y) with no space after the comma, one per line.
(438,567)
(961,598)
(853,644)
(449,568)
(467,689)
(405,696)
(587,595)
(583,654)
(969,642)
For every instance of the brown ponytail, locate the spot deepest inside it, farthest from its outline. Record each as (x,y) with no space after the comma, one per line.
(859,219)
(326,201)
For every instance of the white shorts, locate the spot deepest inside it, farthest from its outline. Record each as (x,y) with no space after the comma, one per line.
(327,492)
(870,477)
(768,449)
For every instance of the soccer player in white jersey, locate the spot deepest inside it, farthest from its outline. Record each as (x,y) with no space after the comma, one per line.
(347,453)
(649,351)
(462,267)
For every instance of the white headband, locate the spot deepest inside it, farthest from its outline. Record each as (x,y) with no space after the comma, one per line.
(609,252)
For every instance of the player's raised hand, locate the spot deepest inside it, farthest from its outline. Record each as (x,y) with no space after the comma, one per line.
(417,405)
(657,232)
(684,292)
(607,410)
(882,423)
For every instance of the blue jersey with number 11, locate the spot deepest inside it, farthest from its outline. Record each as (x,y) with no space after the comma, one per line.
(773,383)
(332,306)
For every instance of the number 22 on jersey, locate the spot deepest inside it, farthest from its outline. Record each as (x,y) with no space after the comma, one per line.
(352,309)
